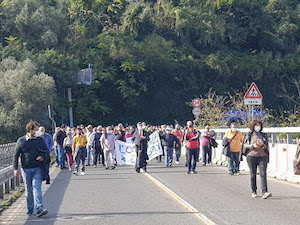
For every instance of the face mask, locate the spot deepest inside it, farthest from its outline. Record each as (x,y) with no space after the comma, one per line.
(108,132)
(140,128)
(143,127)
(257,128)
(168,132)
(38,133)
(233,129)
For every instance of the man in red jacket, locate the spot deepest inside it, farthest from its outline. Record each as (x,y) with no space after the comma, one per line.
(192,144)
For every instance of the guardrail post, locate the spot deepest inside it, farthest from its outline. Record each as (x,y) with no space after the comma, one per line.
(12,184)
(6,185)
(1,191)
(289,138)
(274,138)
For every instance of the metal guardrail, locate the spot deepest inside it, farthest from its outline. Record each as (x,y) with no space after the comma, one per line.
(7,181)
(6,154)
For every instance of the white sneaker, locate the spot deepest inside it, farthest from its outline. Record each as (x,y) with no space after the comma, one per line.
(177,162)
(254,195)
(267,195)
(82,173)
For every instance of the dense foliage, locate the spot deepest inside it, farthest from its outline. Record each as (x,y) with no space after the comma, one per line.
(151,57)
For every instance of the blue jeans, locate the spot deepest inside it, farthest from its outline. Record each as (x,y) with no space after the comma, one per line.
(206,154)
(169,155)
(33,186)
(57,155)
(192,153)
(234,161)
(178,153)
(88,150)
(61,157)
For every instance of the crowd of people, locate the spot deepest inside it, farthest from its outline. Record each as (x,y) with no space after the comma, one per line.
(76,148)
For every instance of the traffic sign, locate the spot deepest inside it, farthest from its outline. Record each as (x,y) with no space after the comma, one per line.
(196,102)
(253,96)
(196,111)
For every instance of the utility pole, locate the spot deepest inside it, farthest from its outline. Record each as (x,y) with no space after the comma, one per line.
(70,107)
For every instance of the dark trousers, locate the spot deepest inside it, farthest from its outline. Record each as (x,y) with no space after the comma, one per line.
(261,163)
(141,156)
(192,153)
(101,156)
(206,154)
(97,153)
(79,156)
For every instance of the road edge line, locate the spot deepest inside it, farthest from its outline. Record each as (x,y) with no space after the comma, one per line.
(181,201)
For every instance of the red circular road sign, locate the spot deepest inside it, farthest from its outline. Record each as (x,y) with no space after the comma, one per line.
(196,102)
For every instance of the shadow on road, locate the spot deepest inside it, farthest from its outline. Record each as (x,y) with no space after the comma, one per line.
(53,197)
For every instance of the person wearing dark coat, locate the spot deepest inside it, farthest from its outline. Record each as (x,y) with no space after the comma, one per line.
(141,138)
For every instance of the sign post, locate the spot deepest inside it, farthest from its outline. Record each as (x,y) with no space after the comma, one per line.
(253,97)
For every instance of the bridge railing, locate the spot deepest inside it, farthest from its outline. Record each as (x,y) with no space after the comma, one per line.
(282,155)
(7,180)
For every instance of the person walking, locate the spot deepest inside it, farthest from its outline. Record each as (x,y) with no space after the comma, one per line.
(68,143)
(192,143)
(29,148)
(49,142)
(179,134)
(61,134)
(141,138)
(107,141)
(90,138)
(170,141)
(256,149)
(97,147)
(235,140)
(56,148)
(206,147)
(79,151)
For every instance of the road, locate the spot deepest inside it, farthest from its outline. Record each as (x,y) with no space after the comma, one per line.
(162,196)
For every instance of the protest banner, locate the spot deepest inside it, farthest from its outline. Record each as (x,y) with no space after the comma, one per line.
(125,153)
(154,146)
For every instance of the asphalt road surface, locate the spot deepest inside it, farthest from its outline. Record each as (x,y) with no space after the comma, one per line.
(163,196)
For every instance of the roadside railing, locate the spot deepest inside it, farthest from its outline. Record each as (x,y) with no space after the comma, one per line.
(7,180)
(6,154)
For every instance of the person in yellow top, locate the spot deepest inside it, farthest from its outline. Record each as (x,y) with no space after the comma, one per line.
(235,139)
(79,151)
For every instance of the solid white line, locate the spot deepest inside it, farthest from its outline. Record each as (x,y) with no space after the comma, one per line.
(181,201)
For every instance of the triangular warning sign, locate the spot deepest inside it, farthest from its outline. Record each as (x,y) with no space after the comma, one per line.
(253,92)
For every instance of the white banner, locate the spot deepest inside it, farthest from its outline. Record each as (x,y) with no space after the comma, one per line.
(125,153)
(154,146)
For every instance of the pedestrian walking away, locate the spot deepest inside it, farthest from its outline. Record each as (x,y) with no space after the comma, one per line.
(79,151)
(32,150)
(235,140)
(256,149)
(49,142)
